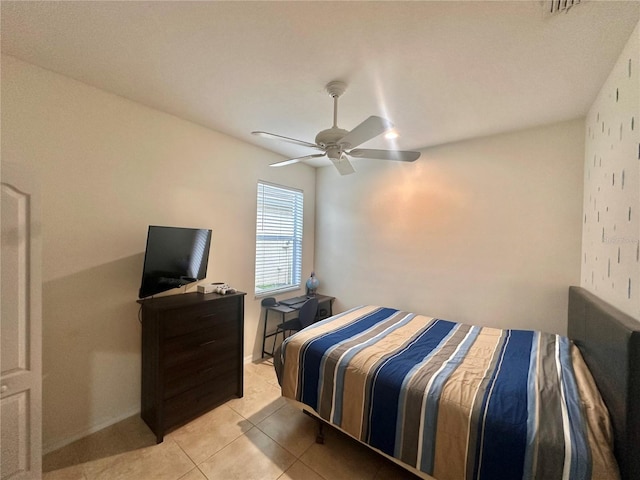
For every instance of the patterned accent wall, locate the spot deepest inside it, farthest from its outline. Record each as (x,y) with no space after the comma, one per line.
(611,214)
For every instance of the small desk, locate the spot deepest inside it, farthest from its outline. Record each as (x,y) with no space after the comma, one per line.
(284,307)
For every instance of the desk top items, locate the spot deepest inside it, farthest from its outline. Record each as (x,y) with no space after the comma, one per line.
(312,284)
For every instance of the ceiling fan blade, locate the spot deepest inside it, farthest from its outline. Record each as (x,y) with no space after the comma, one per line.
(296,160)
(370,128)
(400,155)
(343,165)
(287,139)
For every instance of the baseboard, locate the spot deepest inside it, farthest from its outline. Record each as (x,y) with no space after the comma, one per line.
(52,446)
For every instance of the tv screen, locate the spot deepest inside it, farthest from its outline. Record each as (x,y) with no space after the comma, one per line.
(174,257)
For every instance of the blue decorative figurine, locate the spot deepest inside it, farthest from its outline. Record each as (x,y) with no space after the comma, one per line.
(312,284)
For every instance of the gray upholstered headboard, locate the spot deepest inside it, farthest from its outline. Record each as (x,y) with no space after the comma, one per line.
(610,344)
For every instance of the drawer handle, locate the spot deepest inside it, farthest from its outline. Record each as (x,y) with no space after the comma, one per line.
(207,343)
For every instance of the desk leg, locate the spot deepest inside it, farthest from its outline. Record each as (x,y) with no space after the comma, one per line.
(275,337)
(264,332)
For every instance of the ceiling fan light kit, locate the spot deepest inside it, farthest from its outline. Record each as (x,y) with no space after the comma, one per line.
(337,143)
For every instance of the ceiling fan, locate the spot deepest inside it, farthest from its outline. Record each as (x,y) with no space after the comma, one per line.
(338,144)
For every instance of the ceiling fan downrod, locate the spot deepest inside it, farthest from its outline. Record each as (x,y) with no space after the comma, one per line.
(335,89)
(330,136)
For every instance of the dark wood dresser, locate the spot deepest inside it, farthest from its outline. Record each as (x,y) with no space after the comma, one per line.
(192,355)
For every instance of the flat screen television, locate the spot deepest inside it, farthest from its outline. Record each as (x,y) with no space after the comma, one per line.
(174,257)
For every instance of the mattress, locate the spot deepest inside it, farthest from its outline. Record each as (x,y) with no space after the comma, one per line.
(454,401)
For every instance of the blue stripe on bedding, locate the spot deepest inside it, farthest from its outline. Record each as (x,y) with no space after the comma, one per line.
(283,347)
(388,378)
(503,431)
(404,390)
(433,400)
(344,363)
(315,350)
(402,398)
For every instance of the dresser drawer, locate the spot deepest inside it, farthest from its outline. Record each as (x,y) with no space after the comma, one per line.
(183,407)
(193,373)
(221,338)
(198,317)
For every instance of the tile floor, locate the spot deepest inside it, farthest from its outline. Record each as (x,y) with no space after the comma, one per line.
(259,436)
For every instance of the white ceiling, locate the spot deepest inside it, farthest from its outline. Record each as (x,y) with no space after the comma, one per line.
(441,71)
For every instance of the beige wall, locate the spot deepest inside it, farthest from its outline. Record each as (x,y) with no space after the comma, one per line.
(484,231)
(108,168)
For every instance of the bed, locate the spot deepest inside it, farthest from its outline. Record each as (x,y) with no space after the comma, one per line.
(453,401)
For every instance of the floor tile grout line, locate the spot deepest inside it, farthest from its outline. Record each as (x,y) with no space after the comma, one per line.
(275,440)
(185,452)
(310,467)
(203,474)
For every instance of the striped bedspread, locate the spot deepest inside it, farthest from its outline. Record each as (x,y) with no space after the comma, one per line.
(454,401)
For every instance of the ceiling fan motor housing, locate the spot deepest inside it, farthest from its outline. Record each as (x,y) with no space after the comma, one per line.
(334,152)
(331,136)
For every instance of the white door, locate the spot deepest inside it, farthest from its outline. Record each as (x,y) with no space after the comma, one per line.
(20,327)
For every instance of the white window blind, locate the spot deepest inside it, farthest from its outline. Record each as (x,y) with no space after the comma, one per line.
(278,239)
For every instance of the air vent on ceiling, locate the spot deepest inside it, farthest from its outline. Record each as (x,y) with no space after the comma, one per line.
(553,7)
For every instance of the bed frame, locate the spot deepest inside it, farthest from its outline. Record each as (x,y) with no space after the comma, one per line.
(610,344)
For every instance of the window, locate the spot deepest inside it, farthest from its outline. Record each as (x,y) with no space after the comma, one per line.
(278,239)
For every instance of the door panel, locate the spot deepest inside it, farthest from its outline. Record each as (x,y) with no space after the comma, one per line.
(20,328)
(14,281)
(15,424)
